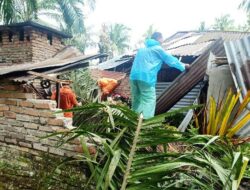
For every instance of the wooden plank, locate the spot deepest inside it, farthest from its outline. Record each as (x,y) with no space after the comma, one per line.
(48,77)
(58,94)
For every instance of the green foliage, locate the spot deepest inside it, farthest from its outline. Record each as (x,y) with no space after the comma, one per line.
(149,32)
(245,5)
(18,10)
(67,13)
(225,118)
(114,39)
(81,40)
(200,162)
(224,23)
(84,86)
(202,27)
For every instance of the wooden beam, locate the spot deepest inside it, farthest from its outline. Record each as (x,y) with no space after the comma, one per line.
(49,77)
(58,94)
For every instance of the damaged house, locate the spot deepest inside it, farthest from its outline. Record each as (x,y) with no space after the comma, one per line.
(32,58)
(202,50)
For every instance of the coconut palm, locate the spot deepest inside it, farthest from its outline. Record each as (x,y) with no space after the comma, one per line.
(224,23)
(245,4)
(202,27)
(149,32)
(119,37)
(67,13)
(18,10)
(128,155)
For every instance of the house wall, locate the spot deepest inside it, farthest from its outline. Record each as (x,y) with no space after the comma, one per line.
(25,119)
(14,51)
(124,87)
(41,47)
(34,47)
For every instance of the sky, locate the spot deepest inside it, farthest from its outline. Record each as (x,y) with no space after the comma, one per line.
(167,16)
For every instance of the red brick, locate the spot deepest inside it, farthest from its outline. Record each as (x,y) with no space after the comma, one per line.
(26,104)
(30,126)
(10,114)
(31,112)
(25,144)
(56,151)
(17,95)
(38,146)
(47,113)
(41,105)
(11,141)
(60,129)
(57,122)
(4,108)
(8,102)
(10,87)
(16,109)
(11,102)
(47,129)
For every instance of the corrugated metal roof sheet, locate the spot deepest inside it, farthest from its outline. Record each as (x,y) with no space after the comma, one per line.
(225,35)
(96,74)
(189,38)
(186,101)
(238,55)
(189,49)
(191,43)
(55,62)
(186,81)
(184,43)
(112,63)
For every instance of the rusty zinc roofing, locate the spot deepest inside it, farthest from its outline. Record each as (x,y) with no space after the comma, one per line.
(186,81)
(193,43)
(96,74)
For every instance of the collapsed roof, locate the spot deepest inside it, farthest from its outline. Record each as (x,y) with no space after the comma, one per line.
(197,45)
(67,59)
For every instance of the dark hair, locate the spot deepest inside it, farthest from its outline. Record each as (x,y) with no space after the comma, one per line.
(156,35)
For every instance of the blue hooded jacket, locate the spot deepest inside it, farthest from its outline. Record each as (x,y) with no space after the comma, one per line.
(148,62)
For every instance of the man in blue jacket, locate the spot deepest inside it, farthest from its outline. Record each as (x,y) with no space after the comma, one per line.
(143,77)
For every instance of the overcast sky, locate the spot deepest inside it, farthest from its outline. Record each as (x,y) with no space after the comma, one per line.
(167,16)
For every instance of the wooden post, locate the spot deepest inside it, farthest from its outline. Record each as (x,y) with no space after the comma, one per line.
(58,94)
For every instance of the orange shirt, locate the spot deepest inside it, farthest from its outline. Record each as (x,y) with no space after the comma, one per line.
(107,85)
(67,99)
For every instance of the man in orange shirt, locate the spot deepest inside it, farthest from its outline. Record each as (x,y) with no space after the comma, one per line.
(67,99)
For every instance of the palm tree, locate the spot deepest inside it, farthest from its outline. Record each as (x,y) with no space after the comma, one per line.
(18,10)
(224,23)
(149,32)
(245,4)
(202,27)
(128,155)
(67,13)
(119,37)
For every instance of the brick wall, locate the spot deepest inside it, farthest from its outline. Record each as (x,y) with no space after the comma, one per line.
(24,120)
(15,51)
(124,87)
(41,47)
(34,47)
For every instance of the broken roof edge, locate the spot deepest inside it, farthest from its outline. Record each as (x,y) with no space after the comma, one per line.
(187,80)
(200,32)
(38,26)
